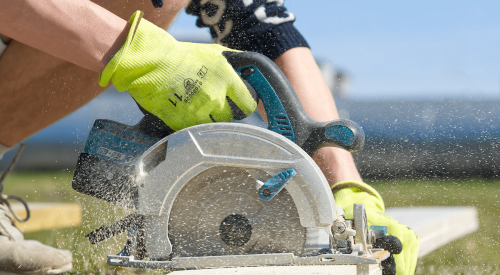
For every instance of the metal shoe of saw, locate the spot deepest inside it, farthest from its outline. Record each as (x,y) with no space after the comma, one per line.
(228,194)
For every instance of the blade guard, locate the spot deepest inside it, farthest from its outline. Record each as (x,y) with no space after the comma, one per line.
(219,145)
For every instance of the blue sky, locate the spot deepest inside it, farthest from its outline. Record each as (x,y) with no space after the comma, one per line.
(402,49)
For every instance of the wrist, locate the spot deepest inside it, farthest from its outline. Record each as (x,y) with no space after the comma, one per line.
(357,192)
(144,46)
(136,43)
(115,60)
(336,164)
(115,47)
(356,184)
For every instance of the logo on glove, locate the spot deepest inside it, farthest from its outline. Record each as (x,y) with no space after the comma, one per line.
(191,86)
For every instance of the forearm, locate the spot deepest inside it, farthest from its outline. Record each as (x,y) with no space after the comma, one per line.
(300,68)
(80,32)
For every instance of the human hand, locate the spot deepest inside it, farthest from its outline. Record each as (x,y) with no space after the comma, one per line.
(183,84)
(347,193)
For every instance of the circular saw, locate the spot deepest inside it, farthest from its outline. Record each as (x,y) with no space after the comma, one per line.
(227,194)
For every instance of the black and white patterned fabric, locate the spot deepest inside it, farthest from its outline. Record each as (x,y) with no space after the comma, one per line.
(263,26)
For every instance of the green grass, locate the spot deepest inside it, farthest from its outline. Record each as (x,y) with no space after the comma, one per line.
(56,187)
(477,253)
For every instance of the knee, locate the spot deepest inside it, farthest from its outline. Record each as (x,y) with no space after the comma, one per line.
(162,17)
(176,4)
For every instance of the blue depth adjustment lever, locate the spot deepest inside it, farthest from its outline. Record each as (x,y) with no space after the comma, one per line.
(284,111)
(275,184)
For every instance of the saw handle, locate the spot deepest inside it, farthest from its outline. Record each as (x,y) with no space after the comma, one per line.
(284,111)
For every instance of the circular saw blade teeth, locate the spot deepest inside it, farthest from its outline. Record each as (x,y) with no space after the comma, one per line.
(219,212)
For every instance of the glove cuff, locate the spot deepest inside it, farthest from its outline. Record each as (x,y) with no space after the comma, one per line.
(110,69)
(358,185)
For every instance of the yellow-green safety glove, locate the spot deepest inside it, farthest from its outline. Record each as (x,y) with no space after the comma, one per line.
(347,193)
(183,84)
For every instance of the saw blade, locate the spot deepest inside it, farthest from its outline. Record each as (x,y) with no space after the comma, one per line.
(219,212)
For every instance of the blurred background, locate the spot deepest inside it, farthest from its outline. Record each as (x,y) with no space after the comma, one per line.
(421,78)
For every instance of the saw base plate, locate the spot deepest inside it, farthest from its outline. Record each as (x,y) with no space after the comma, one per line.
(243,260)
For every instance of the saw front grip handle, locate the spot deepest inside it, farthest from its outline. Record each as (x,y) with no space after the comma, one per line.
(284,111)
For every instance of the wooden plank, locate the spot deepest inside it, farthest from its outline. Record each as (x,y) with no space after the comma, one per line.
(48,216)
(288,270)
(437,225)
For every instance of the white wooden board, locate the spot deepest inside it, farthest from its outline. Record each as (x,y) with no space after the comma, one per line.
(435,226)
(288,270)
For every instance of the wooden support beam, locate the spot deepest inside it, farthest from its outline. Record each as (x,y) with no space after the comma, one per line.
(48,216)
